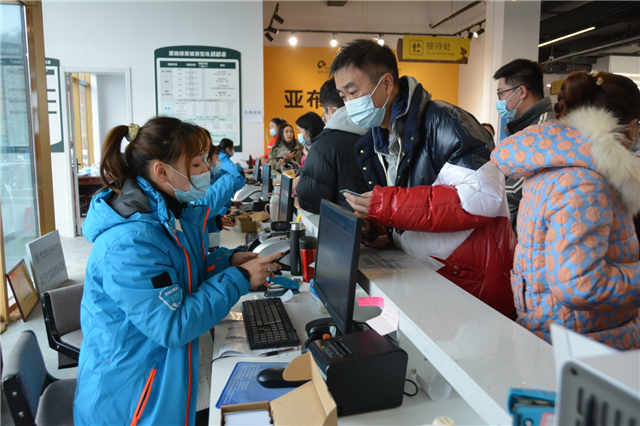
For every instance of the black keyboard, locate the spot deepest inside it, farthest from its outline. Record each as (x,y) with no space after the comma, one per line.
(267,324)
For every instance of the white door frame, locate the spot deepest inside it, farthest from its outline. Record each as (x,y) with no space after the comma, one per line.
(72,188)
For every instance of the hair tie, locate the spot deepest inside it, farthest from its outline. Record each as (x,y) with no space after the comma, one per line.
(595,78)
(133,132)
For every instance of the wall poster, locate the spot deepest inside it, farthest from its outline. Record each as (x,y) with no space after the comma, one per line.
(54,100)
(201,84)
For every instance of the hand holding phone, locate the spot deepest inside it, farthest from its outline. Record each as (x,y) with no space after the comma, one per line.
(347,191)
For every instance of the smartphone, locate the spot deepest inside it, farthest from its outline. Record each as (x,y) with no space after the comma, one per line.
(342,191)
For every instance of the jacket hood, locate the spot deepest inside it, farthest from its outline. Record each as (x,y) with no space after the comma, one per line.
(589,138)
(340,120)
(139,202)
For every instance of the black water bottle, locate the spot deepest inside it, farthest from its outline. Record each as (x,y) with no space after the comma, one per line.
(297,231)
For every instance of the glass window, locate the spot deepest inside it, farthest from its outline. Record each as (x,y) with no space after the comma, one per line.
(19,212)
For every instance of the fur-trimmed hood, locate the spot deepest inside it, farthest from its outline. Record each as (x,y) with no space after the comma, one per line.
(587,137)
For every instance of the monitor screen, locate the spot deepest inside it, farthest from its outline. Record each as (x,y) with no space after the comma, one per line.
(337,258)
(257,168)
(266,182)
(286,199)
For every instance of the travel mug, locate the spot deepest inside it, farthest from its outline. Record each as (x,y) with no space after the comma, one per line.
(308,247)
(297,231)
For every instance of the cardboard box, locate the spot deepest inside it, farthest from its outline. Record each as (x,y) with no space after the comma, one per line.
(248,226)
(242,218)
(260,216)
(310,404)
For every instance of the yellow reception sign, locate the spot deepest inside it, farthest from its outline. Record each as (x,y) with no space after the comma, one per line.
(453,50)
(293,77)
(556,86)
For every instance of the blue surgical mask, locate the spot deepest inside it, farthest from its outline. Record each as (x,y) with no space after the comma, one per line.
(364,113)
(196,192)
(302,140)
(216,169)
(272,132)
(502,107)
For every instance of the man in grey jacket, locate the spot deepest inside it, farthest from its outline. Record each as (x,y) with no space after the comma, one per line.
(331,164)
(521,100)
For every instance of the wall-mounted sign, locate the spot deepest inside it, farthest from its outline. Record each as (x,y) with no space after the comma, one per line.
(448,50)
(54,101)
(556,86)
(201,85)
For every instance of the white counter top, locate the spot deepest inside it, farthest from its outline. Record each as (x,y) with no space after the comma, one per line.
(480,352)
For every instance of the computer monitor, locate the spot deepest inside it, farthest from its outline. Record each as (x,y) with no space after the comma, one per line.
(267,184)
(337,258)
(257,168)
(286,199)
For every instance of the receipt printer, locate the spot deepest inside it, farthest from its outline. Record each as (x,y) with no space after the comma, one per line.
(364,371)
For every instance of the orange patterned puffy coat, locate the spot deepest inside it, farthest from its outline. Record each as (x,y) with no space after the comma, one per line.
(576,263)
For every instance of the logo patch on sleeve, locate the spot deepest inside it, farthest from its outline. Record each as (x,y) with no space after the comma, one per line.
(171,296)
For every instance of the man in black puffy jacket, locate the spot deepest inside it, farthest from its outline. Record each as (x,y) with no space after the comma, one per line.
(331,164)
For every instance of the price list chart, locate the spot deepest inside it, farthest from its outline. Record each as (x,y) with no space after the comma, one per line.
(201,85)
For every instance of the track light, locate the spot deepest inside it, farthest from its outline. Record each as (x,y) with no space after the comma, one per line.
(272,30)
(480,31)
(475,34)
(469,35)
(277,18)
(293,40)
(268,36)
(334,42)
(381,40)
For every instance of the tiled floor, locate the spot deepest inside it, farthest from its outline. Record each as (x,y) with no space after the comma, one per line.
(76,253)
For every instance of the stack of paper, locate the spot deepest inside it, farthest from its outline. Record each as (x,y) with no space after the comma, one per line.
(245,418)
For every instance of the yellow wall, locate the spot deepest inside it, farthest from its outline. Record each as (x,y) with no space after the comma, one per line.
(305,69)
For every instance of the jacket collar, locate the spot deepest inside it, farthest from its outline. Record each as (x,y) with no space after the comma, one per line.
(529,117)
(407,112)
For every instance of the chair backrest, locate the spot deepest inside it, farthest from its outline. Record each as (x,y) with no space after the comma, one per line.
(65,308)
(24,377)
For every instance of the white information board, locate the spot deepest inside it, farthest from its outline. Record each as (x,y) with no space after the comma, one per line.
(201,85)
(53,103)
(47,262)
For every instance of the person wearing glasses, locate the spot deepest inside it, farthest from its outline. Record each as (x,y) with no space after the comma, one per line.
(521,100)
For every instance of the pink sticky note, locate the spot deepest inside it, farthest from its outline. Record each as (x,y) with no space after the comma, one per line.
(371,301)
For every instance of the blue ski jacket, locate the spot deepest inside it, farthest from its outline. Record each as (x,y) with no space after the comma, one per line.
(150,292)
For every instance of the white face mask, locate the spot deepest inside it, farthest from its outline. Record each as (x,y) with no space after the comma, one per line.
(196,192)
(364,113)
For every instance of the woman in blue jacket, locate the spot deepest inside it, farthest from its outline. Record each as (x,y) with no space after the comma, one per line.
(151,290)
(226,152)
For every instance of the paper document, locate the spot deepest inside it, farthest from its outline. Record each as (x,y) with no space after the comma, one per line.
(386,322)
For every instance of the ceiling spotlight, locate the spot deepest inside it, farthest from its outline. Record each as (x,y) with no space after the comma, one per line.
(475,34)
(469,35)
(293,40)
(268,36)
(548,85)
(272,30)
(277,18)
(275,14)
(381,41)
(334,42)
(480,31)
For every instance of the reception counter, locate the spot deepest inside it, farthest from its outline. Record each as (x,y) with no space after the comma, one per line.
(480,352)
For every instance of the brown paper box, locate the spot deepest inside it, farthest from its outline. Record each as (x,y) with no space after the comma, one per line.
(310,404)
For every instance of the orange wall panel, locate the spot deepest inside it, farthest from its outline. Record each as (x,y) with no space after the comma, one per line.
(293,76)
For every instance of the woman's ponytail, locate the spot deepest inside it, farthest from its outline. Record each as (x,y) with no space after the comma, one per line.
(113,167)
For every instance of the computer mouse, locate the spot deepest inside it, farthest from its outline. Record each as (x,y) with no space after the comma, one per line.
(272,378)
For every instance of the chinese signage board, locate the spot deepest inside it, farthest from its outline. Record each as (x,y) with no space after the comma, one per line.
(47,262)
(447,50)
(53,102)
(556,86)
(201,85)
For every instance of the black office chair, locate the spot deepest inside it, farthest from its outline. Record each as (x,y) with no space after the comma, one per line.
(33,395)
(61,308)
